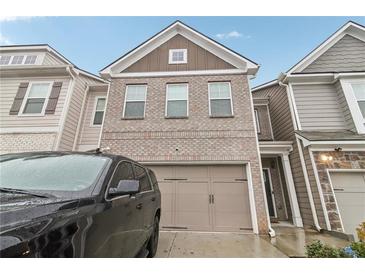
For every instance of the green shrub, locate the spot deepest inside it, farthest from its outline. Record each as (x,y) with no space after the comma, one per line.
(358,248)
(319,250)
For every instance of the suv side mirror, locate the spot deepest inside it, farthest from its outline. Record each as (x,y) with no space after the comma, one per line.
(125,187)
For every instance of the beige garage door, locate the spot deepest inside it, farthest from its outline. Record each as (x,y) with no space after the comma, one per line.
(349,188)
(206,198)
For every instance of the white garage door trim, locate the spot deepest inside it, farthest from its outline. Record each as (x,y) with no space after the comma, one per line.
(329,171)
(248,174)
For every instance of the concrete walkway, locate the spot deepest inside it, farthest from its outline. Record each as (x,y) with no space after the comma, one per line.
(292,241)
(214,245)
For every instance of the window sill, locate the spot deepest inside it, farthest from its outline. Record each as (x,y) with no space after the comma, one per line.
(132,118)
(222,116)
(177,117)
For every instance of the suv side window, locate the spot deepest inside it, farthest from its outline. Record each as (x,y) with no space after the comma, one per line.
(141,175)
(153,178)
(124,171)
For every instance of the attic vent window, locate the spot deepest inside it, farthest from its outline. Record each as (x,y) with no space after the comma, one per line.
(17,60)
(30,59)
(9,60)
(178,56)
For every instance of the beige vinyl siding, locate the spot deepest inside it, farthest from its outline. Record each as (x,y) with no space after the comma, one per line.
(283,129)
(51,60)
(8,90)
(197,59)
(264,123)
(345,108)
(89,135)
(318,107)
(348,54)
(74,112)
(282,124)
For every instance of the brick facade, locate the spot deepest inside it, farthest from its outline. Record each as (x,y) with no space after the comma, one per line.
(341,160)
(21,142)
(197,138)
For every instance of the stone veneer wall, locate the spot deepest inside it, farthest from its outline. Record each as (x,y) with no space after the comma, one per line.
(341,160)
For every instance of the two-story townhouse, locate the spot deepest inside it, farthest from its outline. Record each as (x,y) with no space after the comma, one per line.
(46,102)
(319,105)
(181,104)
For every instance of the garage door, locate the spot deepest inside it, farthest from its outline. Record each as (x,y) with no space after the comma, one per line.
(205,198)
(349,188)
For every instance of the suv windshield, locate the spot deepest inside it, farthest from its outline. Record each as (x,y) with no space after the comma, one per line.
(50,172)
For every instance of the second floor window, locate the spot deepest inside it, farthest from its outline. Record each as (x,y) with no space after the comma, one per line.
(359,91)
(257,121)
(176,100)
(220,99)
(99,111)
(135,101)
(36,98)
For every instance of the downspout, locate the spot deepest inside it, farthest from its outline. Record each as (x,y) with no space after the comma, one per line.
(271,230)
(102,124)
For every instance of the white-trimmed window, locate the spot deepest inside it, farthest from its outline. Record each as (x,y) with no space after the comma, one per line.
(177,101)
(359,92)
(257,121)
(35,99)
(135,101)
(178,56)
(5,59)
(99,111)
(17,60)
(220,99)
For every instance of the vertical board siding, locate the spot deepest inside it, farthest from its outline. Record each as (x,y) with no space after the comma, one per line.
(318,107)
(8,90)
(198,58)
(348,54)
(89,135)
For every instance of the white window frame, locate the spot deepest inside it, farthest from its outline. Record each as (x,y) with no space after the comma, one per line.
(94,112)
(37,60)
(185,53)
(357,116)
(145,101)
(258,129)
(230,97)
(25,99)
(187,100)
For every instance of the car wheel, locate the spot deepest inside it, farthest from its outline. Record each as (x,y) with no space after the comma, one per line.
(153,241)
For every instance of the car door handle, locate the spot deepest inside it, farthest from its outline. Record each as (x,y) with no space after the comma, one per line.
(153,199)
(139,206)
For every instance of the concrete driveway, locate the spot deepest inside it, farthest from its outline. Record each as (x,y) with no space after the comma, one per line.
(214,245)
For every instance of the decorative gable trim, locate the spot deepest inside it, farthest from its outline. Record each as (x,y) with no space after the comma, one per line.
(350,28)
(228,55)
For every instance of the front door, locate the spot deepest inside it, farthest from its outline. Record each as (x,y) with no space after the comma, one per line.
(269,192)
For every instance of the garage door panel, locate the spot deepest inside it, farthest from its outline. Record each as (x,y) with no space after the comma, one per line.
(349,188)
(192,172)
(167,203)
(230,172)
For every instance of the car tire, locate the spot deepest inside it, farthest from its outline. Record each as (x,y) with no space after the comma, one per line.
(153,241)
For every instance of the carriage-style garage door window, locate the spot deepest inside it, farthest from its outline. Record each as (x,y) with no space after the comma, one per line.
(135,101)
(177,100)
(220,99)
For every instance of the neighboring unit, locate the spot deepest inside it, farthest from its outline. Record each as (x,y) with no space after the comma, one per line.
(319,105)
(47,103)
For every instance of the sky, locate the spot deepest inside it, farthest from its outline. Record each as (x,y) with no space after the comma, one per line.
(91,43)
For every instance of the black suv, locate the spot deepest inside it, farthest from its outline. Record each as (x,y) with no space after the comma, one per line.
(70,204)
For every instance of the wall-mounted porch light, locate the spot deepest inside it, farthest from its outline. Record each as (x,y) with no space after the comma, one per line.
(326,158)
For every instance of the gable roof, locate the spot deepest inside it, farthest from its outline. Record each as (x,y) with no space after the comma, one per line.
(195,36)
(354,29)
(48,48)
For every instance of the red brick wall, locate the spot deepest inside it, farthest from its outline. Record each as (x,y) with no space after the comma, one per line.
(197,138)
